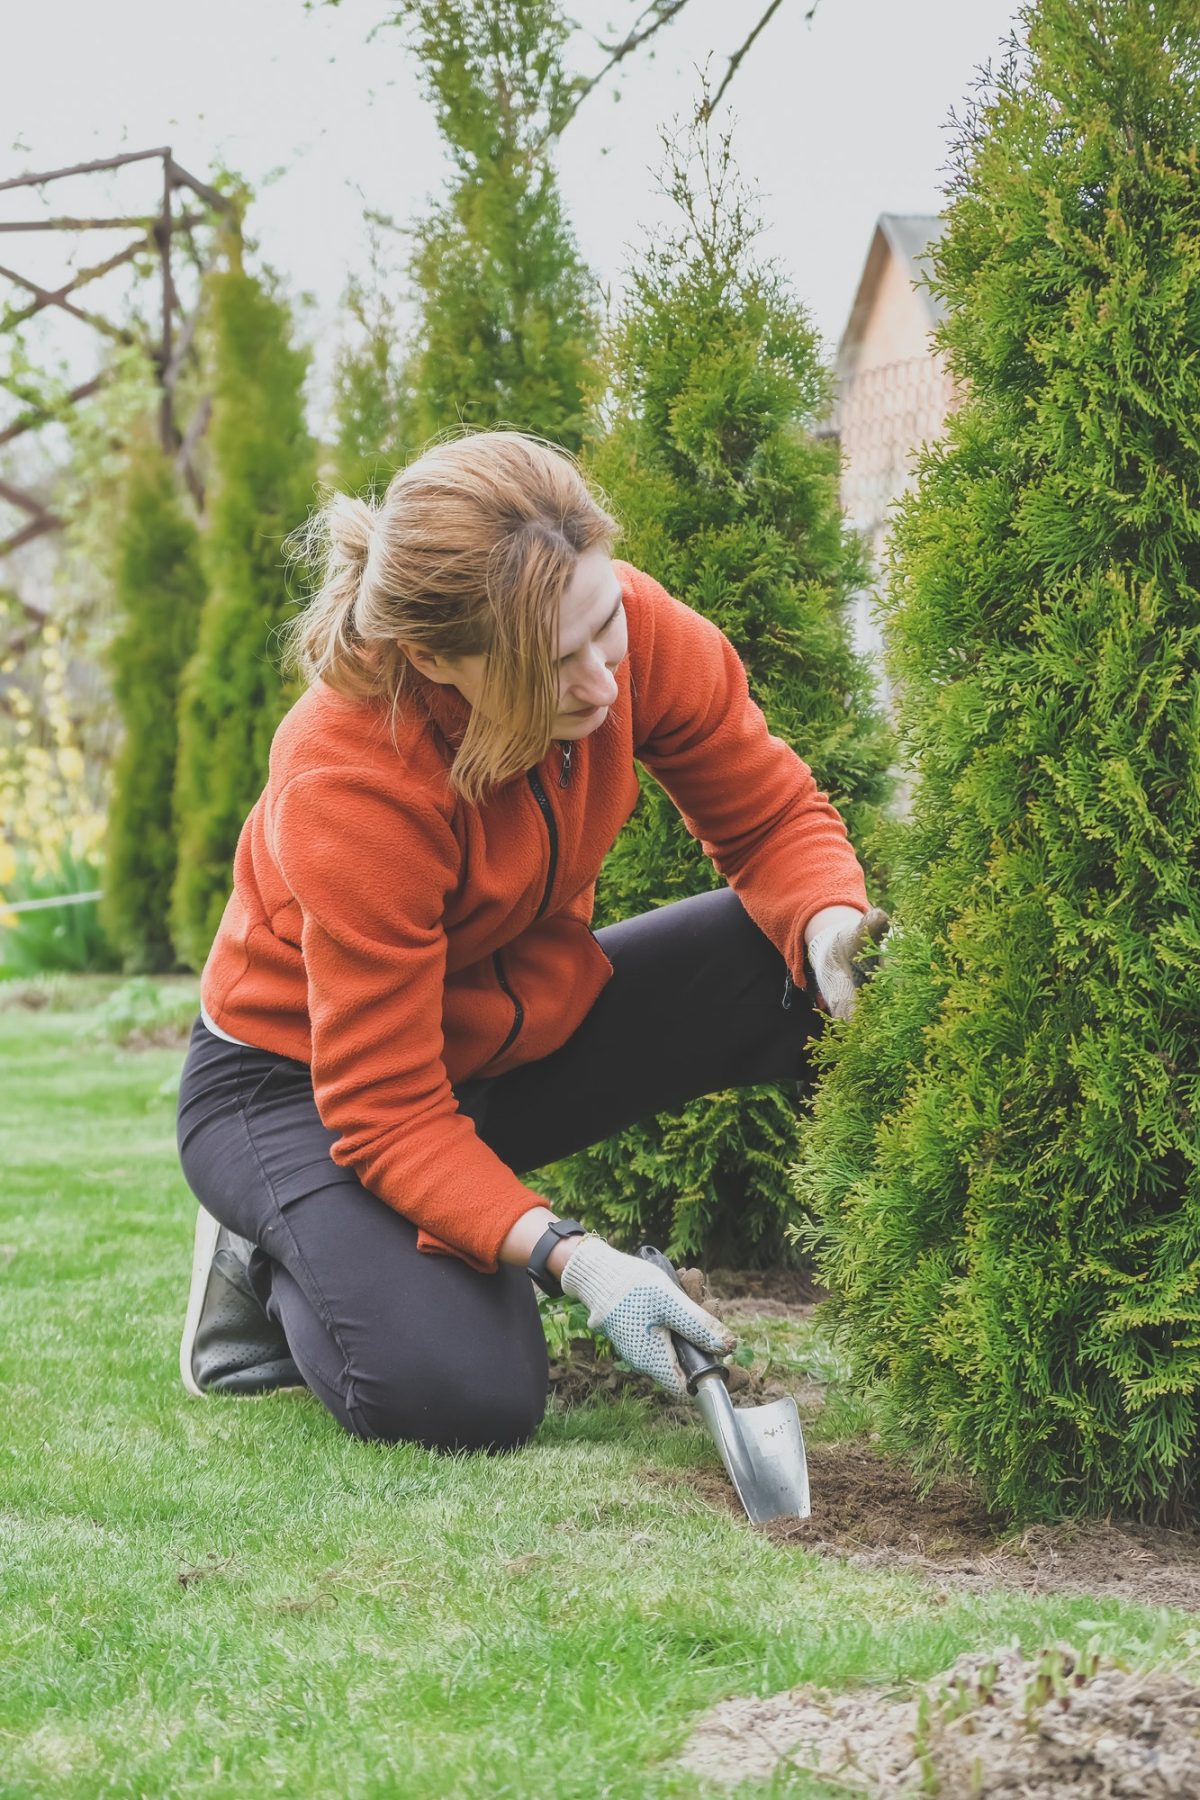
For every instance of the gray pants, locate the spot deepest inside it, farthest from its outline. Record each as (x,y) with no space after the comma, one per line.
(400,1345)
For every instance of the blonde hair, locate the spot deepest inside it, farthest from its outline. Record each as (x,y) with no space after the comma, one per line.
(468,553)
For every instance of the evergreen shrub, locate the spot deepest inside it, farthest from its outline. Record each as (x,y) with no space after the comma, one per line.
(1005,1153)
(373,429)
(507,329)
(262,485)
(159,591)
(728,498)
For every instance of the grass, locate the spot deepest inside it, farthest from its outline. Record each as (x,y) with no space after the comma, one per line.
(232,1597)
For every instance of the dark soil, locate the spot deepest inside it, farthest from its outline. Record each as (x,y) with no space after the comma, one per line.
(761,1293)
(733,1295)
(588,1372)
(865,1507)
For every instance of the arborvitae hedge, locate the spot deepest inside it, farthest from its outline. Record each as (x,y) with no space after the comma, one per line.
(508,321)
(728,499)
(263,476)
(373,431)
(159,592)
(1006,1147)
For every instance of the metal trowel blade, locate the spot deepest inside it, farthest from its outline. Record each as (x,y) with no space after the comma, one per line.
(762,1448)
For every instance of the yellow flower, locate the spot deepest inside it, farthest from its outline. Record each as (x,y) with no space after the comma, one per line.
(70,763)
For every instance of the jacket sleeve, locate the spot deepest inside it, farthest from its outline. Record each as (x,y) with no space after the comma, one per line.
(371,876)
(745,794)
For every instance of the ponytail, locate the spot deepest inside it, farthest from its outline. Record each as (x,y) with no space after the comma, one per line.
(327,637)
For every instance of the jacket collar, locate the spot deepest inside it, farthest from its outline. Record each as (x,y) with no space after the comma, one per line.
(443,705)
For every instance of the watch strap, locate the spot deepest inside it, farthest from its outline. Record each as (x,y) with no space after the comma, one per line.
(553,1234)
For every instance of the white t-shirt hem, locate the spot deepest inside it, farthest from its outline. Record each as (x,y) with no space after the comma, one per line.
(217,1032)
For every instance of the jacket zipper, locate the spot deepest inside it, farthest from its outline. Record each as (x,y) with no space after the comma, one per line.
(518,1009)
(539,794)
(547,811)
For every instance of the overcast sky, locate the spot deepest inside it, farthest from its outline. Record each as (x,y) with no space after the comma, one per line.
(835,122)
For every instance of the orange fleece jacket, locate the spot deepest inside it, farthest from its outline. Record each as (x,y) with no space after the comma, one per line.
(397,940)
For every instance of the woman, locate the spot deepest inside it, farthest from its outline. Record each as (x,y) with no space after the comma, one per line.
(404,1006)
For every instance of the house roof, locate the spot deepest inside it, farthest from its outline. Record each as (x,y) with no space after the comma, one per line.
(908,237)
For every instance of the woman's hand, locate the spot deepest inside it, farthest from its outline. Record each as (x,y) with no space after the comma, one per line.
(637,1308)
(835,951)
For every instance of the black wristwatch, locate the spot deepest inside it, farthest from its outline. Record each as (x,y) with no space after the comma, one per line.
(560,1228)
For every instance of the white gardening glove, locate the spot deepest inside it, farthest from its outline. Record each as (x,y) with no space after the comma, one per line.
(637,1308)
(834,955)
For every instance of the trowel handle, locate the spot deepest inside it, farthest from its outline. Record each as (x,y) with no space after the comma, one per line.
(694,1362)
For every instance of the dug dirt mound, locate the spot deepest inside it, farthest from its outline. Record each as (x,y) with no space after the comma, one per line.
(1059,1726)
(585,1368)
(866,1507)
(736,1294)
(588,1371)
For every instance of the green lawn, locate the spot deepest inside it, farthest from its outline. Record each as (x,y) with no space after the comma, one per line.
(232,1597)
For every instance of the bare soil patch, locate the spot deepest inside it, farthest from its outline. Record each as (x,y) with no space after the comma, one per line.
(1059,1726)
(865,1507)
(589,1371)
(733,1295)
(760,1294)
(26,995)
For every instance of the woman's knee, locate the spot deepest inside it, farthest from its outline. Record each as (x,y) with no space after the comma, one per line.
(451,1377)
(443,1413)
(480,1387)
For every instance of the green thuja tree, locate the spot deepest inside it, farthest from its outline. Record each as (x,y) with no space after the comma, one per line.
(1005,1153)
(726,496)
(372,407)
(507,325)
(262,480)
(159,591)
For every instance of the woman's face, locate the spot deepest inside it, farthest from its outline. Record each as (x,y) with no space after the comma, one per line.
(592,639)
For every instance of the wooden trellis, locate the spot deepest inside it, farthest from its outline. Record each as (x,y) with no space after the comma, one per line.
(159,234)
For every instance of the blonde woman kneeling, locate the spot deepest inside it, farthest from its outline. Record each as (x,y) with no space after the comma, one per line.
(405,1005)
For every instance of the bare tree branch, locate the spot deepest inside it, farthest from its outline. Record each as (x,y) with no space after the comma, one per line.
(650,20)
(736,58)
(659,13)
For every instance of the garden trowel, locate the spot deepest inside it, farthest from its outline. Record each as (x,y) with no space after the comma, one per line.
(762,1447)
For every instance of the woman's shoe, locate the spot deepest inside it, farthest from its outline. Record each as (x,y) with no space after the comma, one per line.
(229,1345)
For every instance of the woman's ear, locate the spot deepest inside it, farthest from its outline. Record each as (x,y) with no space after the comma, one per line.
(435,668)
